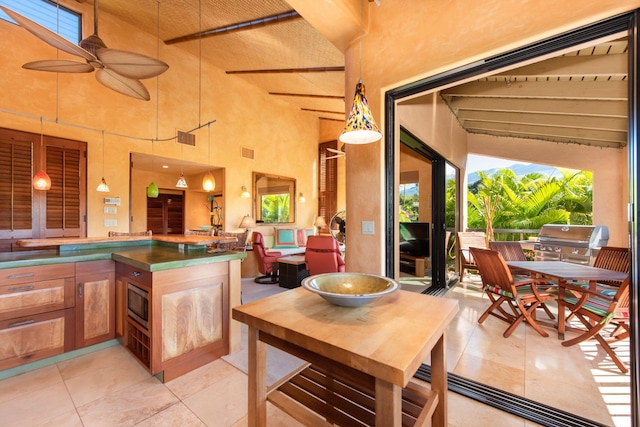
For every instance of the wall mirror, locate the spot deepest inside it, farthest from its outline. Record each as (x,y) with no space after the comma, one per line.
(273,198)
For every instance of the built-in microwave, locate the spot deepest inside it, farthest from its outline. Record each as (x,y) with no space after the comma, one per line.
(138,304)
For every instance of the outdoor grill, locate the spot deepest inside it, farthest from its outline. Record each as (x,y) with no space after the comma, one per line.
(572,243)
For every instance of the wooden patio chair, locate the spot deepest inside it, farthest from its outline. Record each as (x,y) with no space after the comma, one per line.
(511,251)
(520,294)
(467,240)
(596,309)
(612,258)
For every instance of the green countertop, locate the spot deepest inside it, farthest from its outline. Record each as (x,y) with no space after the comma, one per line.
(146,255)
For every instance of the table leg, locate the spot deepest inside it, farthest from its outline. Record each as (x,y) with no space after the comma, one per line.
(439,382)
(561,294)
(257,378)
(388,404)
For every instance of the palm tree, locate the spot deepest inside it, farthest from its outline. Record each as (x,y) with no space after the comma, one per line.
(502,200)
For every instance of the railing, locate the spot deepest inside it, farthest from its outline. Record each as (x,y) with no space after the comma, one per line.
(508,234)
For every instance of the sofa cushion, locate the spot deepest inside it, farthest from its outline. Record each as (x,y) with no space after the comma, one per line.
(285,238)
(303,233)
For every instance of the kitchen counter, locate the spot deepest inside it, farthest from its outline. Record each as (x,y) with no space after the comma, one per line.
(150,253)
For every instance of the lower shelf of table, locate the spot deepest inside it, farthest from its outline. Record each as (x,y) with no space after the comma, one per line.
(316,397)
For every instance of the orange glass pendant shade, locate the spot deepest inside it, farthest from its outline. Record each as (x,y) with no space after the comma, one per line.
(41,181)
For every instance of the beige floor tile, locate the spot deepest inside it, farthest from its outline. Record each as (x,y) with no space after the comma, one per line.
(201,378)
(176,415)
(491,373)
(68,419)
(223,403)
(108,358)
(39,406)
(275,418)
(105,379)
(24,384)
(464,412)
(128,406)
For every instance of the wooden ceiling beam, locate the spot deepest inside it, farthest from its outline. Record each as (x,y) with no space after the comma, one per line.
(239,26)
(576,67)
(557,106)
(544,132)
(550,138)
(559,120)
(290,70)
(307,95)
(608,90)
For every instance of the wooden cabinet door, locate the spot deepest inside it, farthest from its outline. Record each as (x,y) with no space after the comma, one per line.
(95,302)
(30,338)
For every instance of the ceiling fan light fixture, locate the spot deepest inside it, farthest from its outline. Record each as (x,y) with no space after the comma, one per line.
(41,181)
(360,128)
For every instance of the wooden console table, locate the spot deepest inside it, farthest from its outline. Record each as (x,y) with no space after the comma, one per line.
(417,262)
(382,343)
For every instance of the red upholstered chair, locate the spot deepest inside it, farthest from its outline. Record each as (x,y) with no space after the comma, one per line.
(323,255)
(266,260)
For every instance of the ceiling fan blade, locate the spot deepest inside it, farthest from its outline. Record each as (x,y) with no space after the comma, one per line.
(131,64)
(333,150)
(121,84)
(334,157)
(48,36)
(59,66)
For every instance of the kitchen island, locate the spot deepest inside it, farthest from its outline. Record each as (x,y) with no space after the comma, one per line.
(82,289)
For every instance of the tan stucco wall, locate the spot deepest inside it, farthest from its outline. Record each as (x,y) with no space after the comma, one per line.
(77,107)
(408,41)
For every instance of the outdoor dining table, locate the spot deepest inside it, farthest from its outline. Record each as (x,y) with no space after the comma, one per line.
(563,273)
(387,340)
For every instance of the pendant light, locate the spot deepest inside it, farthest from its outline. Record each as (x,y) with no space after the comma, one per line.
(152,188)
(41,180)
(360,128)
(182,183)
(103,187)
(209,182)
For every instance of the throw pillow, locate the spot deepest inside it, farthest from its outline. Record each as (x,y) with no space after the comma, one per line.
(286,237)
(303,233)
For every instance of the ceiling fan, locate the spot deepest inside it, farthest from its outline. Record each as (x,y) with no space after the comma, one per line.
(118,70)
(338,153)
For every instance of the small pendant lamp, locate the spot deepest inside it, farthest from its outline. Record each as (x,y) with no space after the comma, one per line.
(152,188)
(360,128)
(41,180)
(103,187)
(209,182)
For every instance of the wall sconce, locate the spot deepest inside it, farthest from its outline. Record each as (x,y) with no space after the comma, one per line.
(302,199)
(245,193)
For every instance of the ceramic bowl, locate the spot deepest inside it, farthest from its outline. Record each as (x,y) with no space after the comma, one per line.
(205,227)
(350,289)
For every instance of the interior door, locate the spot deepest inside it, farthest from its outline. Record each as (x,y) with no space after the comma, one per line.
(165,214)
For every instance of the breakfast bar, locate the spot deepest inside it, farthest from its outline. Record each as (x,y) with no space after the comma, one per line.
(381,343)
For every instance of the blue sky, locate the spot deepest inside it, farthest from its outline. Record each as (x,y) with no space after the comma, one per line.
(481,163)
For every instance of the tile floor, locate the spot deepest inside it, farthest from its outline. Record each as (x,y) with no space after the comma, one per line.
(109,388)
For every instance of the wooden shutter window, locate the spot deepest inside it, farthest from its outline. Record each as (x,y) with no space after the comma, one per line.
(327,181)
(15,187)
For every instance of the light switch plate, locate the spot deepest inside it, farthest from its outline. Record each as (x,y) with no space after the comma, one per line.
(368,227)
(110,222)
(110,210)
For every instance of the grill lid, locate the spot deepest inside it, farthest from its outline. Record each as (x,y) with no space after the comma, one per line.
(592,236)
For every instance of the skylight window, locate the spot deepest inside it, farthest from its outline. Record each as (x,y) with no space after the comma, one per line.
(55,17)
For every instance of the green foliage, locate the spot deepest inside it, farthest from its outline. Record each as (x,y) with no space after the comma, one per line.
(503,200)
(275,208)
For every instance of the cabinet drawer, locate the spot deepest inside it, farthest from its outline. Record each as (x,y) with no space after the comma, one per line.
(31,338)
(141,276)
(25,299)
(12,276)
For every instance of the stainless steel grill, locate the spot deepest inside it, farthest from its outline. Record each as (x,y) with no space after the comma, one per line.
(572,243)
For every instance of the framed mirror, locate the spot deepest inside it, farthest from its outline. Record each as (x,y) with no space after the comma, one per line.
(274,198)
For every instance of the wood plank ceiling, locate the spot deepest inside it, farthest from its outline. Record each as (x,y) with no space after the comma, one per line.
(579,97)
(265,42)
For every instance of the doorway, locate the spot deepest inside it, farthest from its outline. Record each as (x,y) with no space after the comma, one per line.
(165,213)
(613,26)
